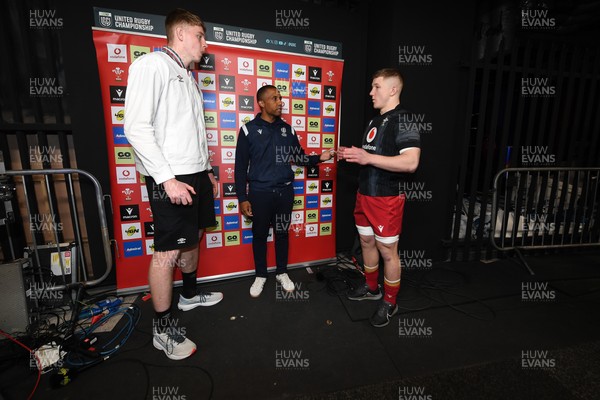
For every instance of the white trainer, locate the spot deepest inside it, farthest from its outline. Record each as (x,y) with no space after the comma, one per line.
(285,282)
(257,287)
(175,346)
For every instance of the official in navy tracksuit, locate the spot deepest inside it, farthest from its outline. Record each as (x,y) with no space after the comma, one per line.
(267,148)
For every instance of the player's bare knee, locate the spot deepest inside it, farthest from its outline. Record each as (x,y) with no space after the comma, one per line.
(165,258)
(387,250)
(367,241)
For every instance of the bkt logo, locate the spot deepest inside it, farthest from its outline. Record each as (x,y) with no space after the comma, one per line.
(299,73)
(231,206)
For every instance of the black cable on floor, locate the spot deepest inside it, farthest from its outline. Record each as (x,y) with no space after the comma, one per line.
(145,365)
(442,287)
(339,282)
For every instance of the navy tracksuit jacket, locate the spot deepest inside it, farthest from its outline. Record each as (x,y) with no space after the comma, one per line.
(264,157)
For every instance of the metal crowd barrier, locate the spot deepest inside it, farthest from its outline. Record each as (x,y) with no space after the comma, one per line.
(50,223)
(545,208)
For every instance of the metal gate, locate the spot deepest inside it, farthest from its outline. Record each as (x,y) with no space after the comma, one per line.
(47,224)
(545,208)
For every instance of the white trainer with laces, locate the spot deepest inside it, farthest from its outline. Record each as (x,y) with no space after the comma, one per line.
(285,282)
(175,346)
(257,287)
(200,299)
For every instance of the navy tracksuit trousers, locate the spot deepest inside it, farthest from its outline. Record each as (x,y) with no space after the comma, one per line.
(271,208)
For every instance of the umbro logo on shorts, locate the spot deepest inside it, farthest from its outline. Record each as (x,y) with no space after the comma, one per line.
(181,241)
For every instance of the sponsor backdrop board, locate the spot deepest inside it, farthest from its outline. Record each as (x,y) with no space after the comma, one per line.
(308,74)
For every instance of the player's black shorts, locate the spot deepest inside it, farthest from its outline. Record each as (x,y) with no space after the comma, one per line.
(175,225)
